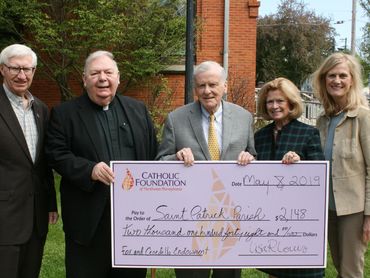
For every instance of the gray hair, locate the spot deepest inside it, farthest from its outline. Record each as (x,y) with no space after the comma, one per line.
(98,54)
(208,65)
(17,50)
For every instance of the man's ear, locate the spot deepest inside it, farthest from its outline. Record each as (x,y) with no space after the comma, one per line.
(84,79)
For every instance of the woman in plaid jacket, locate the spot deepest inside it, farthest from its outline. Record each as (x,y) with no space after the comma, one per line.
(286,139)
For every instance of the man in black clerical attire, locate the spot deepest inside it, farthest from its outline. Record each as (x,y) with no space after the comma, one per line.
(83,136)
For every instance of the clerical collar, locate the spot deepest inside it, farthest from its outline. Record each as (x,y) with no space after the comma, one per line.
(99,107)
(109,105)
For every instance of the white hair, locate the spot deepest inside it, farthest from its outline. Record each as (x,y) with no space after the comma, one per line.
(98,54)
(17,50)
(206,66)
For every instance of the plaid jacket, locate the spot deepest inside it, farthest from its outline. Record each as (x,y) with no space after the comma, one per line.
(305,141)
(295,136)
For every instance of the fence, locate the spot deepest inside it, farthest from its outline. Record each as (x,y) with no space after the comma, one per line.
(311,111)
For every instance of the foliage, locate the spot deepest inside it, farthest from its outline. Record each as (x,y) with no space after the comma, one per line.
(260,123)
(144,35)
(237,87)
(292,42)
(159,102)
(365,45)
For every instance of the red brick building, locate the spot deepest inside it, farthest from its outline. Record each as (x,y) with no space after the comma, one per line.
(241,56)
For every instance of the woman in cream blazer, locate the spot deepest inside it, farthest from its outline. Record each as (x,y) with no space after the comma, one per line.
(345,137)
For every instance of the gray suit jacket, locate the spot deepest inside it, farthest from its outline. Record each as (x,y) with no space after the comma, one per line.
(183,129)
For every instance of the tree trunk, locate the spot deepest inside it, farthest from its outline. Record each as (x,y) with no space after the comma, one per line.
(64,88)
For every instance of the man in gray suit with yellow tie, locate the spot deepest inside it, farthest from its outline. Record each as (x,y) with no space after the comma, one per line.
(208,129)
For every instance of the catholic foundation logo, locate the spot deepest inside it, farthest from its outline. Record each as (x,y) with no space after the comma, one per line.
(128,181)
(160,181)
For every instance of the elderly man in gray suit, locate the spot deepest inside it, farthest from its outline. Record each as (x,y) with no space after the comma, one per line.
(190,131)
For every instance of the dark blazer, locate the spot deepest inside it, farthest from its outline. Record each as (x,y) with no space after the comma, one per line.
(26,189)
(304,140)
(296,136)
(74,147)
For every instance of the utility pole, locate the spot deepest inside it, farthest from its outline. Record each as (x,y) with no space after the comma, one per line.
(189,59)
(353,32)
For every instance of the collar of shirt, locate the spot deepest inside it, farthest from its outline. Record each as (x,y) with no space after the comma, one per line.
(98,107)
(110,105)
(17,100)
(217,114)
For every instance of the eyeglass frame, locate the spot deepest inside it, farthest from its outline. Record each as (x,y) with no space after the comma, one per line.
(26,70)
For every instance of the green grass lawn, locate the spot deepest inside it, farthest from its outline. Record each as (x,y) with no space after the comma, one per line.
(53,262)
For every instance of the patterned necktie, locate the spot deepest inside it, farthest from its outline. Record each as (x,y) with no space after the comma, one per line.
(213,148)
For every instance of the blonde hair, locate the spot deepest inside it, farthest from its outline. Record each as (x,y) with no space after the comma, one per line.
(355,96)
(288,89)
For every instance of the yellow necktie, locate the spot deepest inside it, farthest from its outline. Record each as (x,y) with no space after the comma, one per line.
(213,148)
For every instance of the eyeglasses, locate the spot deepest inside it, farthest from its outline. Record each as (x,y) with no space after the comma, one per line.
(17,70)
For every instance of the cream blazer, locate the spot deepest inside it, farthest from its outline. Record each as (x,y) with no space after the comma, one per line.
(350,161)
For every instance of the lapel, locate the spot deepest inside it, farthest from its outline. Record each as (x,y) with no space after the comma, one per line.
(39,119)
(228,127)
(195,118)
(10,119)
(87,113)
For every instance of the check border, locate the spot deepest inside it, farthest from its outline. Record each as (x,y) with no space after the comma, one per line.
(137,261)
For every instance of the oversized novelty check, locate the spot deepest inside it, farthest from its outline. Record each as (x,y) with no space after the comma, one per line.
(219,214)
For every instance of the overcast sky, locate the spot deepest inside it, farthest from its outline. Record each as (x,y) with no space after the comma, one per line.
(336,10)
